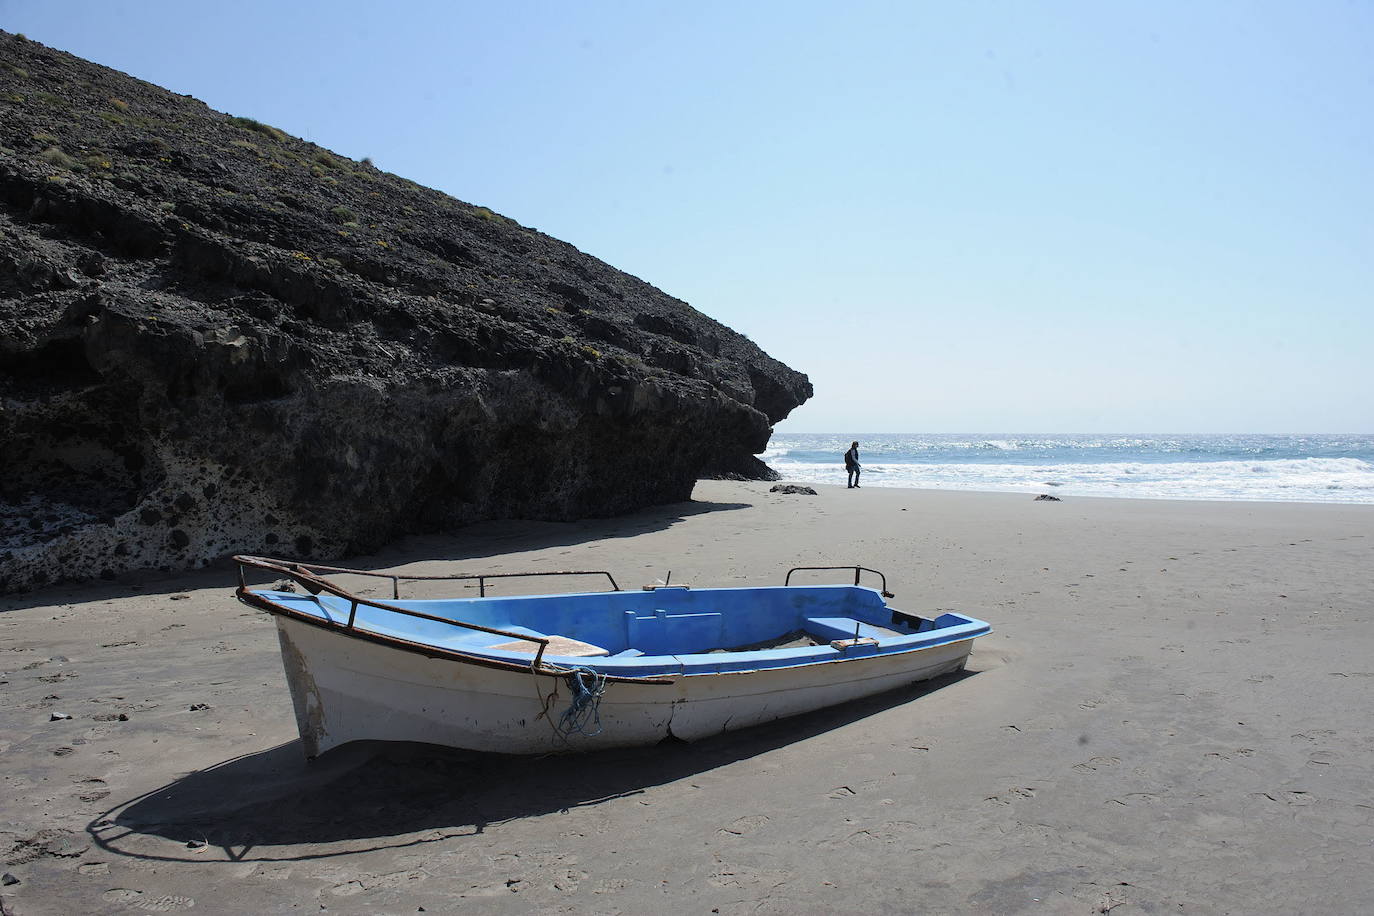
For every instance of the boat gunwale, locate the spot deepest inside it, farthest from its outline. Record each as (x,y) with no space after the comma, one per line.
(438,652)
(429,650)
(306,574)
(560,669)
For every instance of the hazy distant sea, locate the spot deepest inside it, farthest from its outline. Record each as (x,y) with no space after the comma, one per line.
(1317,468)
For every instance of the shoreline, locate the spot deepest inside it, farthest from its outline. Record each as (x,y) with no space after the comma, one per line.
(1032,492)
(1171,711)
(1213,467)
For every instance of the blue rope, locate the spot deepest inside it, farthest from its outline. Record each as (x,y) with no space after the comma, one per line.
(584,711)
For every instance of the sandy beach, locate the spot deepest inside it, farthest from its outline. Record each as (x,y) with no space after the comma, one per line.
(1173,714)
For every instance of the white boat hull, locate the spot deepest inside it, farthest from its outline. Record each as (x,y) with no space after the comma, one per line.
(349,689)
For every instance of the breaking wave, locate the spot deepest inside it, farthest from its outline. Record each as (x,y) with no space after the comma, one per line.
(1284,468)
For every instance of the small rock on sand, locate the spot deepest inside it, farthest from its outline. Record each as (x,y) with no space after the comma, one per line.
(792,488)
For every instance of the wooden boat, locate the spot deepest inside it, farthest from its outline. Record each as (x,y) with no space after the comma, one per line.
(537,674)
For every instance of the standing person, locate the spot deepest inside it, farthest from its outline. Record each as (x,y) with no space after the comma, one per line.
(851,464)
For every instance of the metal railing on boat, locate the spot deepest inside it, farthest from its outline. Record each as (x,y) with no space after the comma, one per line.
(308,575)
(858,571)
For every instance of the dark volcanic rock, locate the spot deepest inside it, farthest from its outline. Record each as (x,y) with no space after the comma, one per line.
(793,489)
(737,466)
(215,337)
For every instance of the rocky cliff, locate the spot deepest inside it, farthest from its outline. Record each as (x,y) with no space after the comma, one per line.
(215,337)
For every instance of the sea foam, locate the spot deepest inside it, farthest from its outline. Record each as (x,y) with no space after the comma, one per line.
(1288,468)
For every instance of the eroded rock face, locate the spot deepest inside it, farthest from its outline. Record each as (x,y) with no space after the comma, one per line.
(216,338)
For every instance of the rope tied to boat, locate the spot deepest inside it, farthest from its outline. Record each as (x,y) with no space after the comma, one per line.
(583,715)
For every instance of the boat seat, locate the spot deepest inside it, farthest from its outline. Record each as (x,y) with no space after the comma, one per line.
(558,645)
(843,628)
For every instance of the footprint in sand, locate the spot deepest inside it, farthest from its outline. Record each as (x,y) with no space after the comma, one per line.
(568,879)
(347,889)
(730,875)
(743,826)
(166,904)
(887,833)
(390,880)
(122,896)
(1096,763)
(1136,799)
(1314,735)
(1238,752)
(1015,793)
(94,789)
(126,898)
(1297,797)
(842,792)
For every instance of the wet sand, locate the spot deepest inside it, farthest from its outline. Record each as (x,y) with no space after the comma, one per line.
(1173,714)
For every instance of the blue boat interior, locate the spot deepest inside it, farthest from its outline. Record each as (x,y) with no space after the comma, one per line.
(660,632)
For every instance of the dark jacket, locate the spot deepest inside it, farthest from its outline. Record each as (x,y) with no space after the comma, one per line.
(851,458)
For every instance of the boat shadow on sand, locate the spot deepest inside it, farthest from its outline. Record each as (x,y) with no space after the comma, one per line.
(274,806)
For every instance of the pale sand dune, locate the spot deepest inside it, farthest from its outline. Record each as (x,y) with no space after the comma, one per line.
(1174,714)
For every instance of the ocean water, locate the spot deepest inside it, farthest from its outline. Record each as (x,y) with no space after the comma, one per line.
(1315,468)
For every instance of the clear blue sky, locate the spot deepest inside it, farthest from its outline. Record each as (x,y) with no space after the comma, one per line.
(1146,217)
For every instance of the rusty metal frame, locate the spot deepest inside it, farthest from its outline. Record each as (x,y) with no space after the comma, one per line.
(307,574)
(291,567)
(858,570)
